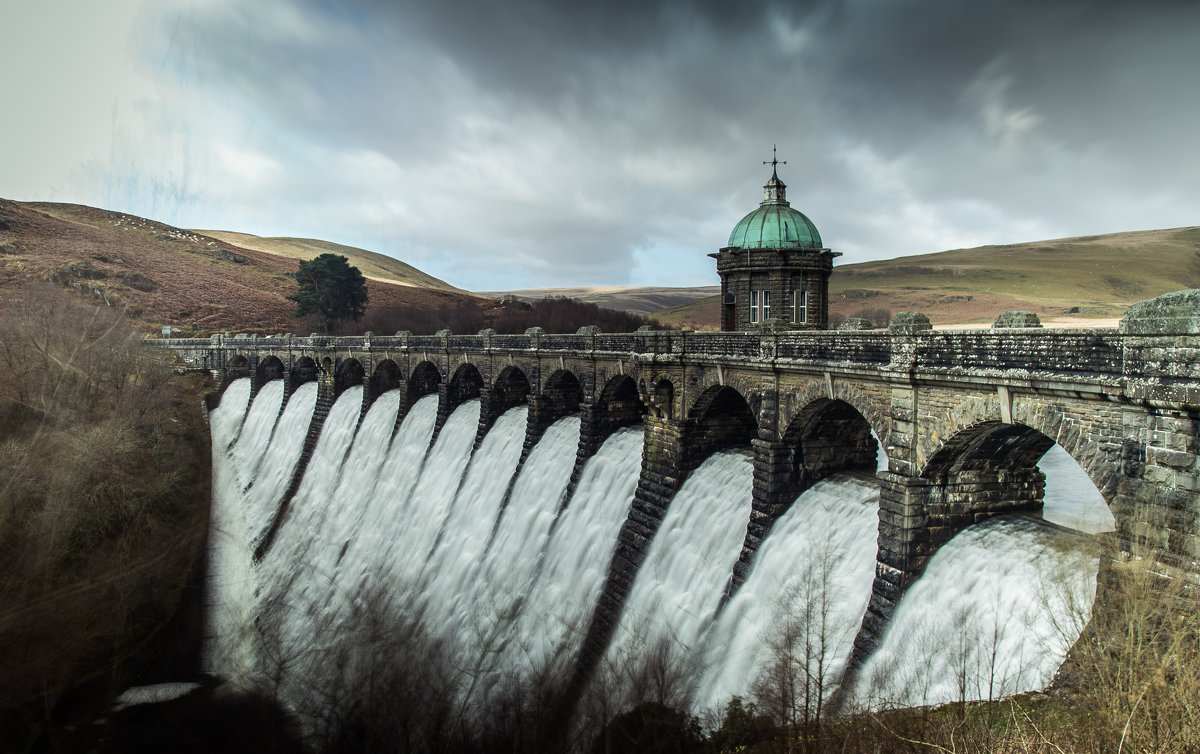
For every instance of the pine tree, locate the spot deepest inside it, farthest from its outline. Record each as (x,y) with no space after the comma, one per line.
(331,286)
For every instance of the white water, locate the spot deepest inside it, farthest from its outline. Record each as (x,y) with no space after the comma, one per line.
(1071,499)
(242,510)
(377,515)
(995,612)
(506,575)
(555,615)
(809,586)
(420,519)
(278,464)
(687,568)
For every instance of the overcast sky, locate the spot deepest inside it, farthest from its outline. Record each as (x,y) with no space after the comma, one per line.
(531,143)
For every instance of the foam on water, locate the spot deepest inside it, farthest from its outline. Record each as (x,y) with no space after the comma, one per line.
(1071,499)
(803,600)
(994,614)
(383,522)
(555,615)
(687,568)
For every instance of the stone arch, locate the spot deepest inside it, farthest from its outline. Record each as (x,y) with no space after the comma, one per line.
(510,388)
(269,369)
(464,385)
(720,418)
(349,372)
(387,376)
(871,409)
(302,371)
(561,394)
(826,436)
(236,367)
(424,380)
(983,470)
(986,445)
(619,405)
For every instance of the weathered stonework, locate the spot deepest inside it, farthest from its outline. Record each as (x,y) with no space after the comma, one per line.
(962,416)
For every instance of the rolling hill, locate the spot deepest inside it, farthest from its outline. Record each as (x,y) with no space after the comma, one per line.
(372,265)
(163,275)
(1081,278)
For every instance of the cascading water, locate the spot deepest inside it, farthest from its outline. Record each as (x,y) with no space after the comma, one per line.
(274,471)
(679,586)
(803,599)
(383,526)
(995,612)
(552,623)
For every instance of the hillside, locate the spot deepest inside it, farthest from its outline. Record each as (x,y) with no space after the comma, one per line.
(162,275)
(638,300)
(373,265)
(1082,278)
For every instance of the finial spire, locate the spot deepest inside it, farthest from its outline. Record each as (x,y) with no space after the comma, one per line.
(774,161)
(775,192)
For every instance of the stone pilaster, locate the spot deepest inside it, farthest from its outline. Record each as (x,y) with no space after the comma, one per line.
(661,476)
(325,399)
(775,489)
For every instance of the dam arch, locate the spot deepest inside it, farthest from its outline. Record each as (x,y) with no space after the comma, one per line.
(347,373)
(829,435)
(720,418)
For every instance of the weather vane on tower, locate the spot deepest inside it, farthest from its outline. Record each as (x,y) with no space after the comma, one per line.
(774,159)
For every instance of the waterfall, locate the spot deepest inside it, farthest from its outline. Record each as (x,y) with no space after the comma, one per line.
(995,612)
(553,620)
(502,573)
(679,586)
(804,598)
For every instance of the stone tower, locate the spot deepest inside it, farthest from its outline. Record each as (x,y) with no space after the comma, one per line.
(774,267)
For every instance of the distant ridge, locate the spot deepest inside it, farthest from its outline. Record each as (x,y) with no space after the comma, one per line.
(164,275)
(370,263)
(635,299)
(1082,278)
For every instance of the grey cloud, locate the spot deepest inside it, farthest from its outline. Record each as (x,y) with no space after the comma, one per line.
(616,125)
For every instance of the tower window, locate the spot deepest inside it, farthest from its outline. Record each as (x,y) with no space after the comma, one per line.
(797,306)
(760,306)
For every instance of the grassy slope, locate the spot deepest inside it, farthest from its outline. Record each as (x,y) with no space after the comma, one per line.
(1098,275)
(371,264)
(198,281)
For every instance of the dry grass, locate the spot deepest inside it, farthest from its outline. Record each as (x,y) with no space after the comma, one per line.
(103,497)
(1100,276)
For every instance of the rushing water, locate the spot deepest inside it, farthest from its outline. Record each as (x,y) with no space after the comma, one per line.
(486,553)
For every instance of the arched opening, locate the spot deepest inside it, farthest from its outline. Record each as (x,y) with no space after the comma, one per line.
(237,367)
(270,368)
(386,377)
(424,380)
(720,418)
(618,406)
(464,386)
(350,372)
(304,370)
(561,396)
(830,436)
(1019,461)
(511,388)
(997,600)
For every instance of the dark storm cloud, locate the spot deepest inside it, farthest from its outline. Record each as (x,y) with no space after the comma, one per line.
(570,138)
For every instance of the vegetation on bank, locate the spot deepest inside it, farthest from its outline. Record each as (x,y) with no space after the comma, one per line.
(104,487)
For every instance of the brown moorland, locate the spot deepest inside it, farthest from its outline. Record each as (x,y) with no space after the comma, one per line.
(1069,280)
(163,275)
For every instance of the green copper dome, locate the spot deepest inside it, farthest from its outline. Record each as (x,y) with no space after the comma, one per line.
(775,224)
